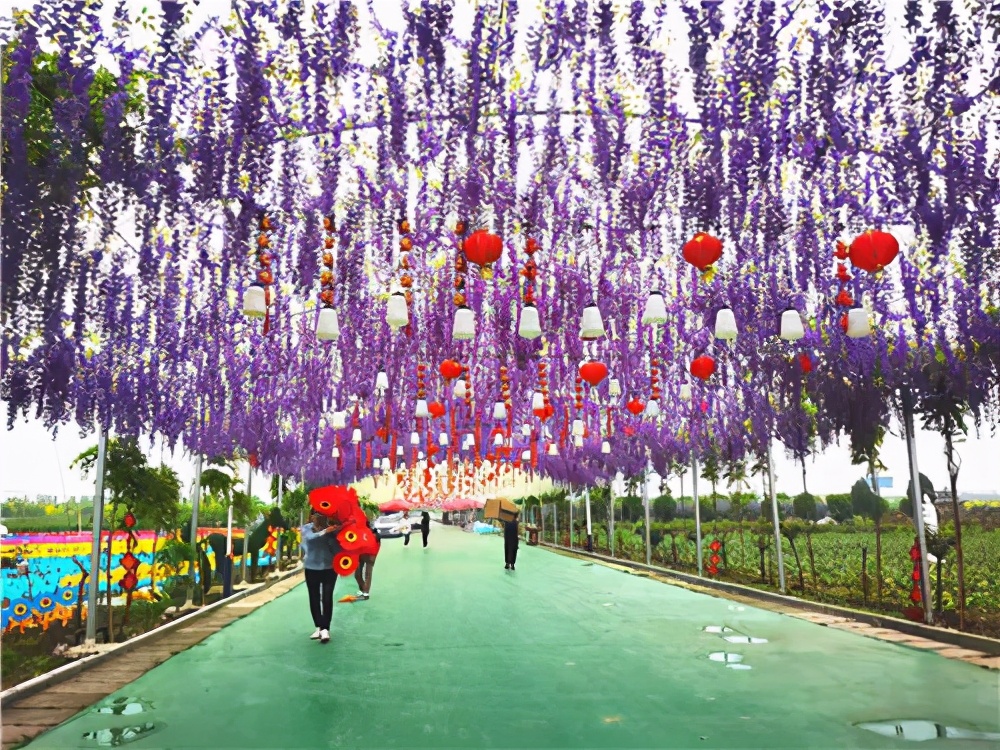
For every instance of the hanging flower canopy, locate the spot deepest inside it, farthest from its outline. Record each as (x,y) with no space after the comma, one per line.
(475,240)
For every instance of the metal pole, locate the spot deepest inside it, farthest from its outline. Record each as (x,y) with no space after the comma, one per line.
(645,501)
(226,566)
(697,508)
(611,539)
(555,522)
(776,520)
(571,521)
(916,500)
(95,552)
(590,534)
(195,501)
(277,551)
(246,532)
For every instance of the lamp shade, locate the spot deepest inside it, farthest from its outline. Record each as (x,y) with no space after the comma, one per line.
(537,401)
(254,304)
(655,312)
(553,449)
(791,325)
(335,453)
(606,447)
(725,325)
(356,435)
(526,430)
(578,441)
(499,411)
(381,381)
(614,388)
(339,420)
(397,314)
(526,455)
(459,389)
(858,325)
(685,392)
(465,324)
(578,428)
(421,412)
(327,325)
(399,450)
(443,439)
(591,323)
(498,440)
(414,438)
(652,408)
(529,327)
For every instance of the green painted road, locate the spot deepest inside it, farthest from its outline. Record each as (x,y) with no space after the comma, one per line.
(454,651)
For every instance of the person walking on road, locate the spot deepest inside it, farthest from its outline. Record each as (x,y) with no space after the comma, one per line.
(320,545)
(425,525)
(510,538)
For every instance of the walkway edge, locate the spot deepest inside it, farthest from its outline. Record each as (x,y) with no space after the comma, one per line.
(954,637)
(63,673)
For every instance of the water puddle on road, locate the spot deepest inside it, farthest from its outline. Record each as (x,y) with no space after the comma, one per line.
(118,736)
(124,706)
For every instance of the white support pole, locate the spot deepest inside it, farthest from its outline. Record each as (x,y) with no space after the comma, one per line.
(244,560)
(571,519)
(697,508)
(775,519)
(917,502)
(645,502)
(590,533)
(195,503)
(95,553)
(277,549)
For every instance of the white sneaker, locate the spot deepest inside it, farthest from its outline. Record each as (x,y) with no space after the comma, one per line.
(315,636)
(360,595)
(363,596)
(324,636)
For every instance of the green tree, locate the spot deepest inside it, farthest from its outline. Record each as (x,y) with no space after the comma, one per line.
(805,506)
(873,507)
(664,508)
(840,507)
(160,506)
(711,470)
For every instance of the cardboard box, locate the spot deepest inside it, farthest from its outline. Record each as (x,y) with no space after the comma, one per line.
(501,509)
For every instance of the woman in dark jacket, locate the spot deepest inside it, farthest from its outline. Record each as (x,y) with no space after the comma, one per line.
(425,525)
(510,537)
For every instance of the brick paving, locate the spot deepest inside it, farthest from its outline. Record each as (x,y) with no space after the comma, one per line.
(28,717)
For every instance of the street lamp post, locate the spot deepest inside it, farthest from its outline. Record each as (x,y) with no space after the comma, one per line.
(95,552)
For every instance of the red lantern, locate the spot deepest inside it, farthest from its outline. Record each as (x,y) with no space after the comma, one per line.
(805,363)
(635,406)
(703,250)
(844,298)
(450,369)
(593,372)
(703,367)
(436,409)
(129,520)
(129,581)
(873,250)
(483,248)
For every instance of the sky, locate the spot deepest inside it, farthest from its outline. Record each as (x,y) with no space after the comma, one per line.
(32,462)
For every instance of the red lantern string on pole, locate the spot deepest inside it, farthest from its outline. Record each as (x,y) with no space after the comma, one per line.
(461,265)
(714,560)
(406,279)
(843,298)
(265,276)
(530,271)
(654,379)
(326,277)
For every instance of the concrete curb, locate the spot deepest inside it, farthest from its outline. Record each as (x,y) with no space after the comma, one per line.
(63,673)
(954,637)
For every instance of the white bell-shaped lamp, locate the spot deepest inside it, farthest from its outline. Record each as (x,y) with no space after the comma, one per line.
(356,435)
(591,323)
(537,401)
(606,447)
(399,450)
(470,442)
(577,428)
(465,324)
(858,325)
(254,305)
(526,455)
(414,438)
(421,412)
(459,390)
(553,449)
(526,430)
(614,388)
(529,327)
(498,440)
(381,381)
(339,420)
(499,411)
(652,408)
(386,464)
(335,453)
(725,325)
(578,441)
(791,325)
(443,440)
(327,325)
(685,392)
(655,312)
(397,314)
